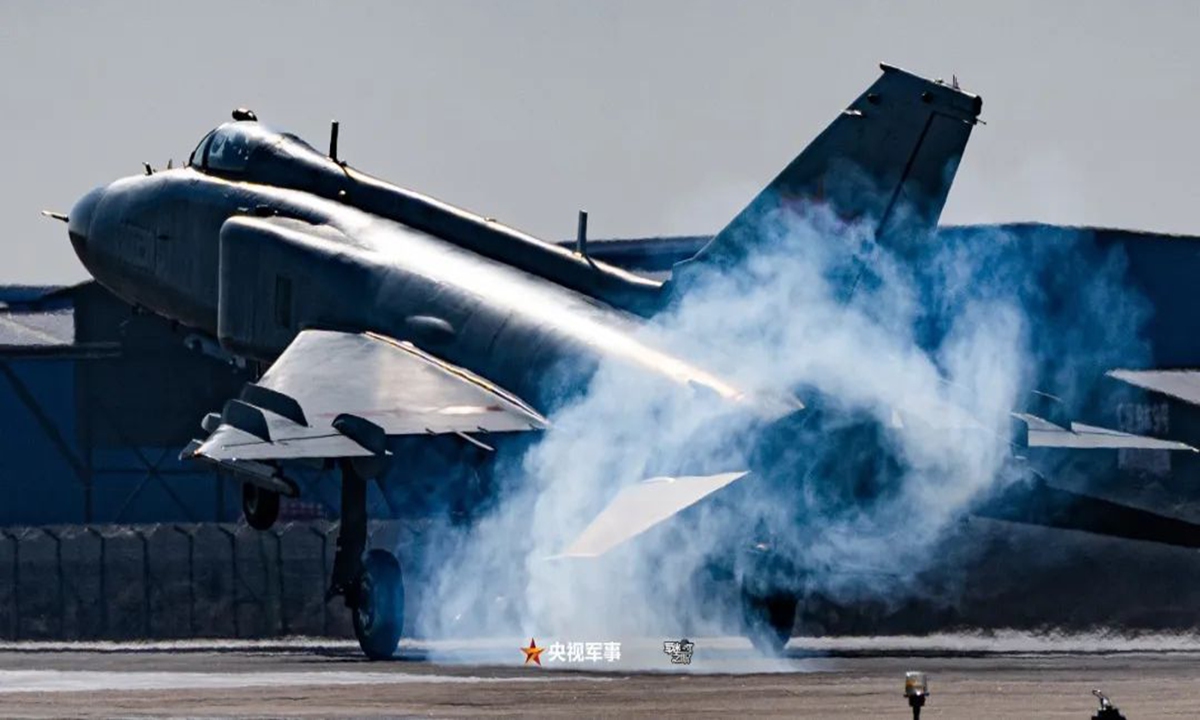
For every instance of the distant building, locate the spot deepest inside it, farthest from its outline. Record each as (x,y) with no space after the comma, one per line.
(96,400)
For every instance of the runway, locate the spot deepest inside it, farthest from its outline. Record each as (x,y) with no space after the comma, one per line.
(998,676)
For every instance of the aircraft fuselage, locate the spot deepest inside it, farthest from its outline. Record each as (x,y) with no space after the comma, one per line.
(253,264)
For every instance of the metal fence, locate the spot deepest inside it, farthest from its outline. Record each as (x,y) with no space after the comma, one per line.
(170,581)
(179,581)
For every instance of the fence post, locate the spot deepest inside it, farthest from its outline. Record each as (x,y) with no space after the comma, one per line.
(278,534)
(141,535)
(103,578)
(233,572)
(324,535)
(191,541)
(16,581)
(58,570)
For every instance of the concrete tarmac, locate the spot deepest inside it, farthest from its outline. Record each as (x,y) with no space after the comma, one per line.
(1005,676)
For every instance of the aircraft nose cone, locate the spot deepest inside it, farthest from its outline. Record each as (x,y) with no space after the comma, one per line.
(79,221)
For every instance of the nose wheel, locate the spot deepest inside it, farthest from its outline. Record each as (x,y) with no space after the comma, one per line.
(259,506)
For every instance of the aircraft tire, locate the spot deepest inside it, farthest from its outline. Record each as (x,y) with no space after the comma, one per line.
(379,605)
(260,507)
(768,621)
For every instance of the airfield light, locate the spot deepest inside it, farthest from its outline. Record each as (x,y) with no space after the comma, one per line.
(916,689)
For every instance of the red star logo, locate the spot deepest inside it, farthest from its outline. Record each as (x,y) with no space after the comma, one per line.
(533,653)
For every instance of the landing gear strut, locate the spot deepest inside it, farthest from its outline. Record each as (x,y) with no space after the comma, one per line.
(373,588)
(768,606)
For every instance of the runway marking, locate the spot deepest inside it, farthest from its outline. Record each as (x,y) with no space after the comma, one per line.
(202,645)
(19,681)
(1008,642)
(444,659)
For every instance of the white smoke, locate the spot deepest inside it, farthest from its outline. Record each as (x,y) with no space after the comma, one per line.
(930,352)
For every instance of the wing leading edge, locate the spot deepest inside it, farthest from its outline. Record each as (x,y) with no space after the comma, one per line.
(335,394)
(637,508)
(1180,384)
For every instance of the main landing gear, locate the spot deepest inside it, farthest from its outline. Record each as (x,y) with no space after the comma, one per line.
(768,609)
(372,587)
(768,621)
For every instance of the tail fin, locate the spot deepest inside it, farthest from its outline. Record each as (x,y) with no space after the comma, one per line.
(888,159)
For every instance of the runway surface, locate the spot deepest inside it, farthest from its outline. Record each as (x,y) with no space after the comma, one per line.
(1000,676)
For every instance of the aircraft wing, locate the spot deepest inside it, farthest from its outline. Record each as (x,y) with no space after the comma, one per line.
(1042,433)
(337,394)
(639,507)
(1180,384)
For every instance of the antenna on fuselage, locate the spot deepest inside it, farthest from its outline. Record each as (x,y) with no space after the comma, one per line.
(581,236)
(333,138)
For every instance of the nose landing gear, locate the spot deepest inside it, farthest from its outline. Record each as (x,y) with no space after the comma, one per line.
(260,506)
(371,585)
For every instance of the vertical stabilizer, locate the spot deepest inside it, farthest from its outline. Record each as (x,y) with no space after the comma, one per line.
(888,160)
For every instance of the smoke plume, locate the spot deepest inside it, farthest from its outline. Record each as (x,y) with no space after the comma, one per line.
(909,361)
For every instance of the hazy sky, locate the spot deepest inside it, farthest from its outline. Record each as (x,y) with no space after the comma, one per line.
(657,117)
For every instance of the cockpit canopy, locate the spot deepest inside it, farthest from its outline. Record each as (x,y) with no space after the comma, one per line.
(248,150)
(228,150)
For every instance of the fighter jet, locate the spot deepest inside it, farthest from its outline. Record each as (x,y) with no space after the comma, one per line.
(377,312)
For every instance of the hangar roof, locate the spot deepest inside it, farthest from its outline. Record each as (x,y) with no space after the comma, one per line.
(35,316)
